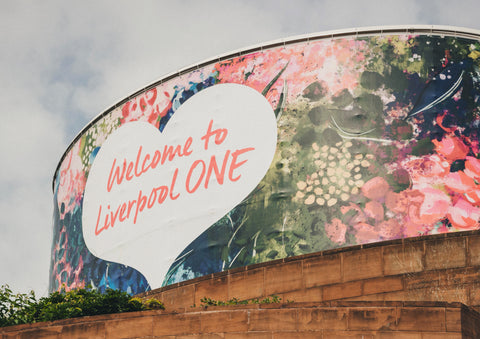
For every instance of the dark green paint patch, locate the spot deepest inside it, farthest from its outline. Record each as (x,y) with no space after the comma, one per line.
(343,99)
(318,115)
(306,136)
(314,91)
(371,80)
(423,147)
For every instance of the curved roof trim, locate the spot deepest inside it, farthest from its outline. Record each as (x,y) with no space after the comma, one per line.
(460,32)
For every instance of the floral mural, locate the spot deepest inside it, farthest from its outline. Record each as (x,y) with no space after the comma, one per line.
(378,139)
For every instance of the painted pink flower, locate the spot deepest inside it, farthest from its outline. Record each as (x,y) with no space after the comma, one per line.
(414,201)
(473,196)
(464,215)
(452,148)
(149,106)
(359,217)
(365,233)
(390,229)
(472,168)
(418,210)
(320,60)
(72,181)
(415,228)
(336,231)
(393,203)
(375,189)
(407,201)
(427,168)
(373,209)
(459,182)
(434,206)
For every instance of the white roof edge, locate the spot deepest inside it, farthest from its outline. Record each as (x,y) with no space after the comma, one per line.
(360,31)
(370,30)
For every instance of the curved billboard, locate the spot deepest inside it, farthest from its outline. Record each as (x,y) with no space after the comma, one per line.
(295,147)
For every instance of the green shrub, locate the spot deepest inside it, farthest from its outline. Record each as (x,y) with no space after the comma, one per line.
(16,308)
(205,302)
(24,308)
(153,304)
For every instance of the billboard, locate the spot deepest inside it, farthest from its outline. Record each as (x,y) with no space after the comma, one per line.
(308,144)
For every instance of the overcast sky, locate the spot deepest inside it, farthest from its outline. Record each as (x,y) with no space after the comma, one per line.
(64,62)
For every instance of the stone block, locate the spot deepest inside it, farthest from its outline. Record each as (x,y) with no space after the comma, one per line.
(362,264)
(248,335)
(444,279)
(215,288)
(442,335)
(87,330)
(247,285)
(403,258)
(283,278)
(371,297)
(183,296)
(473,250)
(420,280)
(474,295)
(439,293)
(428,319)
(460,276)
(51,332)
(200,336)
(308,295)
(176,324)
(454,319)
(342,291)
(322,270)
(273,320)
(224,321)
(373,319)
(327,334)
(394,296)
(129,328)
(400,335)
(445,253)
(298,335)
(312,319)
(383,284)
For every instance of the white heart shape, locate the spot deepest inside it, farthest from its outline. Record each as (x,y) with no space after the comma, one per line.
(159,205)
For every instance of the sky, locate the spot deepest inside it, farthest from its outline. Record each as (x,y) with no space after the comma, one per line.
(62,63)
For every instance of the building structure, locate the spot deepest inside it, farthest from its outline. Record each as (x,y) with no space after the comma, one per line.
(300,155)
(411,288)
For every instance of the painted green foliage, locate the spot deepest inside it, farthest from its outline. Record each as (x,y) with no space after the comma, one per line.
(378,139)
(336,150)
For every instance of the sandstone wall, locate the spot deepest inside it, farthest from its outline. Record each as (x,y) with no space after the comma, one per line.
(412,288)
(443,267)
(365,320)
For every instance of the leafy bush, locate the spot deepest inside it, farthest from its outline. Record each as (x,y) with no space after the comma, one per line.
(16,308)
(153,304)
(205,302)
(24,308)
